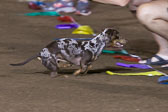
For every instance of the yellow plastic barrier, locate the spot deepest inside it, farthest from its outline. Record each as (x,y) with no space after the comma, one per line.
(87,30)
(151,73)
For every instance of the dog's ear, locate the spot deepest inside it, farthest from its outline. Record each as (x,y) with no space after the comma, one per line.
(112,32)
(109,32)
(115,32)
(102,30)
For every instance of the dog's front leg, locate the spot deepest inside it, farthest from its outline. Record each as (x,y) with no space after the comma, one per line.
(83,69)
(77,72)
(87,69)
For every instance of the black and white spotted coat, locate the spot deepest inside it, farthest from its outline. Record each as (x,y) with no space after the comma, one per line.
(72,50)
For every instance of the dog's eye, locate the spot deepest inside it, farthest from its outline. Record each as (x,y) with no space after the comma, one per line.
(116,37)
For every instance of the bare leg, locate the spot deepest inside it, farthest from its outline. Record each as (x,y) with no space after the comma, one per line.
(84,0)
(163,45)
(154,16)
(133,4)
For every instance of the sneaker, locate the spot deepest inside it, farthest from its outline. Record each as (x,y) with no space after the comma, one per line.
(60,6)
(36,5)
(83,8)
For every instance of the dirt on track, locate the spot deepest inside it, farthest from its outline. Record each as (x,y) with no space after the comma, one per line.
(30,89)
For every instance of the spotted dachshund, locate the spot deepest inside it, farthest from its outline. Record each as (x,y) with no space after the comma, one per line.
(74,52)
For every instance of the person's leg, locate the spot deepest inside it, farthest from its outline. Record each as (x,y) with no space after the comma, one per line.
(61,6)
(83,8)
(163,45)
(133,4)
(154,16)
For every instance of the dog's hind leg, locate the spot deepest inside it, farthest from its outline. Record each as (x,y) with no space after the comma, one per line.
(54,70)
(52,66)
(53,74)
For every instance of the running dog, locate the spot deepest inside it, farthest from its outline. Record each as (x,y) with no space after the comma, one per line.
(74,52)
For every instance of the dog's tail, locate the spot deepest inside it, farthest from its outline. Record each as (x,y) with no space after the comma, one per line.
(26,61)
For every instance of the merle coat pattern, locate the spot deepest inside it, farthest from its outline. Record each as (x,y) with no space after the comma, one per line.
(75,52)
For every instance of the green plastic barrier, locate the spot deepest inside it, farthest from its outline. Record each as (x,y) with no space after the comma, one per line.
(116,52)
(49,13)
